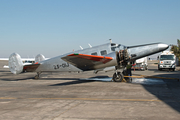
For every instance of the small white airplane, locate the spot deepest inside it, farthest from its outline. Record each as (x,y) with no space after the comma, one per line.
(93,58)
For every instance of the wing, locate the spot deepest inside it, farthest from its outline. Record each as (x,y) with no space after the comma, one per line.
(86,62)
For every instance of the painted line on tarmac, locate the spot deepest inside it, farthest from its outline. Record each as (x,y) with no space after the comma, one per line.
(3,98)
(99,99)
(86,99)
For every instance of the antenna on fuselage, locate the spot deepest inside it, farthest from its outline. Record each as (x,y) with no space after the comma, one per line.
(89,45)
(110,40)
(81,47)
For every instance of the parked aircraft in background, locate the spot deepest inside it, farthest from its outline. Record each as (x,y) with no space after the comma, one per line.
(93,58)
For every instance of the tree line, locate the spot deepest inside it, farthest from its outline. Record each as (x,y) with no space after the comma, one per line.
(176,49)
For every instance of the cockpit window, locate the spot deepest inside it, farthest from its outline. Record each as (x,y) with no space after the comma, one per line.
(104,52)
(115,47)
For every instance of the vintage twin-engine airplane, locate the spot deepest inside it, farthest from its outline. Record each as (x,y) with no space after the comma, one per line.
(93,58)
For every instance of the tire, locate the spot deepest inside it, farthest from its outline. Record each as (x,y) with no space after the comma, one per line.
(146,68)
(159,68)
(36,77)
(118,78)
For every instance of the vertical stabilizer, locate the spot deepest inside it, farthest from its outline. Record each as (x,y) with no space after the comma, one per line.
(39,58)
(15,63)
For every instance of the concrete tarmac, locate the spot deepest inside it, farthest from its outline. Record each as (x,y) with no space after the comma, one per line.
(71,96)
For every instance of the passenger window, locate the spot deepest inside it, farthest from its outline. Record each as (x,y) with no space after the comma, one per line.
(95,53)
(104,52)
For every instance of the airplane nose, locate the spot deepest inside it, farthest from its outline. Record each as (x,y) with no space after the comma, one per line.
(163,46)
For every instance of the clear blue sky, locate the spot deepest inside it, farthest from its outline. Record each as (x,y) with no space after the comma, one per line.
(54,27)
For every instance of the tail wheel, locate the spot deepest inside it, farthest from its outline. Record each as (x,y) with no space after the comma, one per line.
(118,77)
(36,77)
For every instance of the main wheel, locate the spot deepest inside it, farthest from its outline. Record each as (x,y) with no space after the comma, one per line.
(36,77)
(118,77)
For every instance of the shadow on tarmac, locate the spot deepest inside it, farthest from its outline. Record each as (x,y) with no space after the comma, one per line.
(77,80)
(169,93)
(3,71)
(71,82)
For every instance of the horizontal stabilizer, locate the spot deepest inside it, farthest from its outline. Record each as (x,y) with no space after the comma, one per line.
(86,62)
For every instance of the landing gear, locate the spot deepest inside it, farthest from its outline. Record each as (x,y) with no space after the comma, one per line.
(37,76)
(122,57)
(118,77)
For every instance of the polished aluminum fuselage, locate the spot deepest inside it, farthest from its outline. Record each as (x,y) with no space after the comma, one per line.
(57,64)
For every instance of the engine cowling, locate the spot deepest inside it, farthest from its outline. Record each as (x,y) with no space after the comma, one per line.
(122,58)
